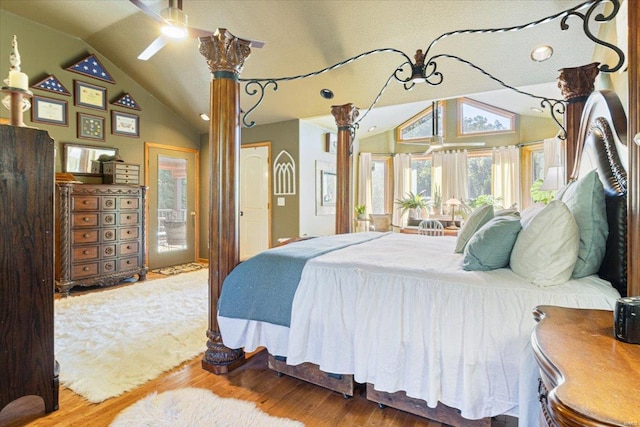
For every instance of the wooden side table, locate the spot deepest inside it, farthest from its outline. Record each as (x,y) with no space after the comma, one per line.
(588,377)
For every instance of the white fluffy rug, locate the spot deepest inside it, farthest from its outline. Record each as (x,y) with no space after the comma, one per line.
(196,407)
(112,341)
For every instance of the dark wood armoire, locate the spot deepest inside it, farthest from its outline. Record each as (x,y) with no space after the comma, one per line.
(27,362)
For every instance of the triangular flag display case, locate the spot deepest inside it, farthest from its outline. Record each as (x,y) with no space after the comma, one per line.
(127,101)
(91,66)
(51,84)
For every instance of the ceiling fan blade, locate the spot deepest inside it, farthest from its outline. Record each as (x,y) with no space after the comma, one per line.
(257,44)
(147,10)
(153,48)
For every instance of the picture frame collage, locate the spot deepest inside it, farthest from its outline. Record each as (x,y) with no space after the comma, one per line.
(90,125)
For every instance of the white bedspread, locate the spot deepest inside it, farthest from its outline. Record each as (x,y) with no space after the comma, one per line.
(399,312)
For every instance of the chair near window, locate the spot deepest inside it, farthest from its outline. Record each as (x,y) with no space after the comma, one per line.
(430,227)
(380,222)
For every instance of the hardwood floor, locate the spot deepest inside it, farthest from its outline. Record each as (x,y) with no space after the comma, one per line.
(279,396)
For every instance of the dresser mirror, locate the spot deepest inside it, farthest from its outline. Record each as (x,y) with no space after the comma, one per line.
(78,159)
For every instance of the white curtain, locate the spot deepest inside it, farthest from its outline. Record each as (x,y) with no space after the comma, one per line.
(449,173)
(555,155)
(506,175)
(401,183)
(364,181)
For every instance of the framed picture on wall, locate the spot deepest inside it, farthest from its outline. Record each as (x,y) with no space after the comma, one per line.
(50,111)
(90,127)
(90,96)
(125,124)
(331,141)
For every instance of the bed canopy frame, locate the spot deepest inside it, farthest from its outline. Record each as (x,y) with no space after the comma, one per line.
(225,55)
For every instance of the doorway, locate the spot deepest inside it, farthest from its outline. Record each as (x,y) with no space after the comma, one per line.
(172,218)
(255,194)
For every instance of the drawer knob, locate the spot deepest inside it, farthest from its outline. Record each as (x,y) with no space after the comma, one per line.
(128,231)
(86,235)
(128,262)
(128,247)
(128,202)
(85,252)
(85,269)
(85,202)
(86,219)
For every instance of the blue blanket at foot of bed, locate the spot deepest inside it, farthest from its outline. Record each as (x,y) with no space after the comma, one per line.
(262,287)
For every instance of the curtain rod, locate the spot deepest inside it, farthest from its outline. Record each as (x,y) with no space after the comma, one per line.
(524,144)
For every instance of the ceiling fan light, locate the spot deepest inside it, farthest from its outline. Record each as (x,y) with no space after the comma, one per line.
(176,26)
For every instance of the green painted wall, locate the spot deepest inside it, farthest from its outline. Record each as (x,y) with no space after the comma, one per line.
(45,51)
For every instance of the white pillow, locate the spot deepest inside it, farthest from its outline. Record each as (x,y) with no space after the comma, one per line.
(546,249)
(477,219)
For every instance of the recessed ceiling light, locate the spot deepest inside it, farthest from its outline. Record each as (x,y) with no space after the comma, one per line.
(536,109)
(204,116)
(372,128)
(326,93)
(541,53)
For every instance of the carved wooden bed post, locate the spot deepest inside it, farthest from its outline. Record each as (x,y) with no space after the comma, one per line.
(225,56)
(576,84)
(345,116)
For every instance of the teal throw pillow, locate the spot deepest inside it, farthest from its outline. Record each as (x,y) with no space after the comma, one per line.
(490,247)
(585,200)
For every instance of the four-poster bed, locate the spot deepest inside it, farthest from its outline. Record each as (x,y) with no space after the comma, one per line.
(225,55)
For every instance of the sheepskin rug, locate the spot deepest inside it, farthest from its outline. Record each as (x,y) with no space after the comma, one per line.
(112,341)
(196,407)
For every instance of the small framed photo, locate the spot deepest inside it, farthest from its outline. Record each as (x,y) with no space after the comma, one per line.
(125,124)
(50,111)
(90,127)
(331,143)
(90,96)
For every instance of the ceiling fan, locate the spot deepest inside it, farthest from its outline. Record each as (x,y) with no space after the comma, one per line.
(174,26)
(435,141)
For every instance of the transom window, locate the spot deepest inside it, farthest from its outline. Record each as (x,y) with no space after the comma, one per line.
(477,118)
(420,127)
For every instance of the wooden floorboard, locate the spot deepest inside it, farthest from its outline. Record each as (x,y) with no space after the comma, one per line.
(279,396)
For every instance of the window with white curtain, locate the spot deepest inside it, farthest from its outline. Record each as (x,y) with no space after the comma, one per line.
(479,174)
(381,185)
(421,175)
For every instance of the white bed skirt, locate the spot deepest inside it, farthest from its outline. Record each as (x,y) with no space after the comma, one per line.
(399,312)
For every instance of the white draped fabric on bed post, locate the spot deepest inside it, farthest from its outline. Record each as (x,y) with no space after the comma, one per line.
(345,116)
(225,55)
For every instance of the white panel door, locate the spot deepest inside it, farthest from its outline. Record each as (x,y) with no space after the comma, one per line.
(254,200)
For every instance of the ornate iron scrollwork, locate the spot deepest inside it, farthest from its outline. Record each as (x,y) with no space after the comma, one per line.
(425,67)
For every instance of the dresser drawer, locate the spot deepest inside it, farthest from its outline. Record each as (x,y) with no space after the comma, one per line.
(108,250)
(129,233)
(125,179)
(84,236)
(109,235)
(85,253)
(129,203)
(128,263)
(84,220)
(109,266)
(78,271)
(108,219)
(128,248)
(109,202)
(85,203)
(129,218)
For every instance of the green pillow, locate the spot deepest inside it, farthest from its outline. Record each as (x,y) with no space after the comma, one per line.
(490,247)
(477,219)
(585,199)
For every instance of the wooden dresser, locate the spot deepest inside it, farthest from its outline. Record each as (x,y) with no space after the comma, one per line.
(27,362)
(100,234)
(588,378)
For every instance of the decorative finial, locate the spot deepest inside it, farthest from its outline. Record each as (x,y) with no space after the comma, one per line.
(14,57)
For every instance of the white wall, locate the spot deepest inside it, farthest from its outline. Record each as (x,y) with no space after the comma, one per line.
(312,149)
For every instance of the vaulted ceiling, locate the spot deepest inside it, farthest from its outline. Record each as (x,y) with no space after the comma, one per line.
(306,36)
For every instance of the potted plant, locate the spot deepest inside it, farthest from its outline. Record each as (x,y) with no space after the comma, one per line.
(435,205)
(414,204)
(360,211)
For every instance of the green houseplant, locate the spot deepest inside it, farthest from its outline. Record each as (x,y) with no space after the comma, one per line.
(360,211)
(413,203)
